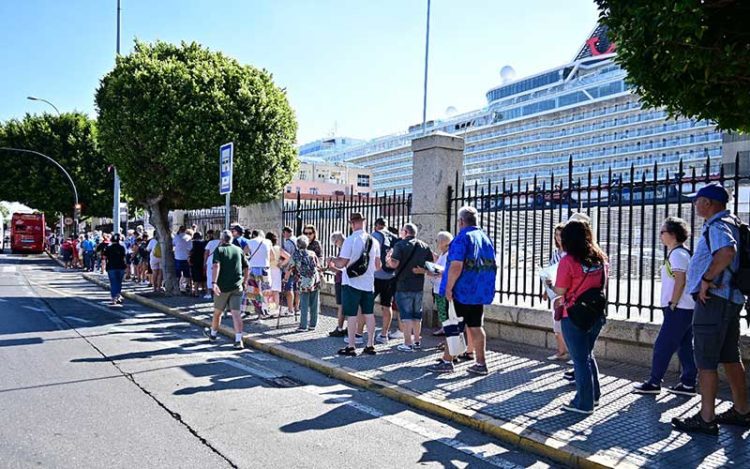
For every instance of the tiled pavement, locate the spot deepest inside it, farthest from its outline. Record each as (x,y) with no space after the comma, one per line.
(526,389)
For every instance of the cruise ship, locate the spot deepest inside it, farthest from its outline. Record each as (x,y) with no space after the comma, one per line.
(584,110)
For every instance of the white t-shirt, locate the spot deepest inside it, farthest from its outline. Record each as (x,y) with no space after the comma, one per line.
(262,257)
(182,246)
(352,249)
(677,262)
(441,261)
(210,248)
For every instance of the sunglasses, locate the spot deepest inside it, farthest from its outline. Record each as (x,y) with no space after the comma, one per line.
(307,233)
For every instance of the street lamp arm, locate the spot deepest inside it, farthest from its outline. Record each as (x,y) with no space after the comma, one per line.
(34,98)
(70,179)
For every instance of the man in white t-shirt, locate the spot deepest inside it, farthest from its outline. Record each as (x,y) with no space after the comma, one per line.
(208,260)
(259,261)
(182,243)
(358,291)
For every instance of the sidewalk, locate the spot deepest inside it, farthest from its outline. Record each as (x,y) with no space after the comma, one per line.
(519,401)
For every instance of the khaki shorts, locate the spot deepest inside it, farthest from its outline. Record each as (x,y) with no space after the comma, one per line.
(232,299)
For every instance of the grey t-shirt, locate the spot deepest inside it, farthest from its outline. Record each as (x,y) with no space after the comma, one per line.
(402,251)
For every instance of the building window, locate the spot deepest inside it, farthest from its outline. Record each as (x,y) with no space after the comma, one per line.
(363,180)
(314,190)
(288,189)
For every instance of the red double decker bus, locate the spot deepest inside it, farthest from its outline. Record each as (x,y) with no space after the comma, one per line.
(27,233)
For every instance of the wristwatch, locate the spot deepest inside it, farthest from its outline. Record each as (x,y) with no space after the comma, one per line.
(671,306)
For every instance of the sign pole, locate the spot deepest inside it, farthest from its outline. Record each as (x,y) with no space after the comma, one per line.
(226,167)
(226,213)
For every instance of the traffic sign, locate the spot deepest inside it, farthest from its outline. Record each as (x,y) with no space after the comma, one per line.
(68,221)
(226,166)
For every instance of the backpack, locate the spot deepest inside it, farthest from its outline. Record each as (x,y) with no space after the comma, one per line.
(157,250)
(359,267)
(740,278)
(306,265)
(589,306)
(389,240)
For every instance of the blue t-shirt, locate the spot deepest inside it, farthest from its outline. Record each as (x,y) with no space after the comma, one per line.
(88,246)
(476,284)
(241,242)
(721,235)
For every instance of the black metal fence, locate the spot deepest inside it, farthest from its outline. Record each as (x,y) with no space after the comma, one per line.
(209,218)
(330,214)
(626,212)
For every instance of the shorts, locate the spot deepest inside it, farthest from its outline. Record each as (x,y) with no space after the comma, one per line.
(716,332)
(196,273)
(385,290)
(67,255)
(352,299)
(337,290)
(473,314)
(291,284)
(155,263)
(275,279)
(410,305)
(442,307)
(182,268)
(231,299)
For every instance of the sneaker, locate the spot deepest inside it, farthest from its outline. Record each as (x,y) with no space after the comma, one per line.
(404,348)
(441,367)
(337,333)
(396,335)
(207,296)
(646,388)
(211,338)
(571,408)
(348,352)
(557,357)
(417,346)
(569,376)
(683,390)
(569,362)
(301,329)
(695,424)
(381,339)
(478,369)
(732,417)
(369,351)
(358,339)
(238,345)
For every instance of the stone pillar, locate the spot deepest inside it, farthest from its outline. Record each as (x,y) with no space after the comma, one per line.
(266,216)
(438,157)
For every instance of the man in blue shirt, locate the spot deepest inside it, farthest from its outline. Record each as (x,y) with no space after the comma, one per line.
(470,283)
(88,247)
(716,320)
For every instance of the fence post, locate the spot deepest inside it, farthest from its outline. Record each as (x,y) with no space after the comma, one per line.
(298,216)
(438,157)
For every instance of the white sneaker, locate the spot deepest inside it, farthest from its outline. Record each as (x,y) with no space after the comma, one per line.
(358,339)
(207,296)
(381,339)
(396,335)
(404,348)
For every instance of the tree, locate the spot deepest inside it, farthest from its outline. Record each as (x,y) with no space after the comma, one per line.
(69,139)
(163,113)
(690,56)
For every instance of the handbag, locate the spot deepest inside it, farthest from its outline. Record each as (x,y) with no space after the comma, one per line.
(589,306)
(454,328)
(359,267)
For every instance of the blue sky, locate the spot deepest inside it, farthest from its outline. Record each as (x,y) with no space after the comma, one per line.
(349,65)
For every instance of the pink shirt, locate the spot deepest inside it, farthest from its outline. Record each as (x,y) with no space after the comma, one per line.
(572,276)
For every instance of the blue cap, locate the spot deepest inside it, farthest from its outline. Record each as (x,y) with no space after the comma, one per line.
(713,191)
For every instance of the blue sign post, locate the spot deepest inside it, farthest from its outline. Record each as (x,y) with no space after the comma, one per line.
(226,167)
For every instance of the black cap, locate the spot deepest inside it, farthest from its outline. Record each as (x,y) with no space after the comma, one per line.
(381,221)
(238,228)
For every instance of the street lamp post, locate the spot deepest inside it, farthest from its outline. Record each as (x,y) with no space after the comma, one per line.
(116,195)
(426,59)
(34,98)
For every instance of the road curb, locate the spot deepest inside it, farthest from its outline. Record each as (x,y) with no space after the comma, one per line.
(524,438)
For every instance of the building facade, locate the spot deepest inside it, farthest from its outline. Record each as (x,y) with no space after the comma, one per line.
(320,177)
(583,110)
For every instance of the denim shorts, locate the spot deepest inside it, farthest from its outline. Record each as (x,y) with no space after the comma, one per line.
(409,305)
(182,267)
(716,332)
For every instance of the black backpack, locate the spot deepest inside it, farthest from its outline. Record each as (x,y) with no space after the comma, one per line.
(359,267)
(740,278)
(388,242)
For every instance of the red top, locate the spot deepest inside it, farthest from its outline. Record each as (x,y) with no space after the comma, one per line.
(572,276)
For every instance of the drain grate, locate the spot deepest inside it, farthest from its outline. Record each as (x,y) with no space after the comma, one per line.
(285,382)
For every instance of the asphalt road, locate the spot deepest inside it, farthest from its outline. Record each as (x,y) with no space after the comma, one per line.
(85,385)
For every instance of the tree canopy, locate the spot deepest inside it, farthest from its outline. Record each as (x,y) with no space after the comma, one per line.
(690,56)
(163,113)
(69,139)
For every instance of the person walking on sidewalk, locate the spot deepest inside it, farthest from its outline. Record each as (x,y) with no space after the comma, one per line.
(470,281)
(385,286)
(408,259)
(230,274)
(116,265)
(676,333)
(716,319)
(305,264)
(360,258)
(182,243)
(88,248)
(583,268)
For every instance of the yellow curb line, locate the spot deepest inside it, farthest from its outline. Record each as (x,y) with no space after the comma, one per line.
(524,438)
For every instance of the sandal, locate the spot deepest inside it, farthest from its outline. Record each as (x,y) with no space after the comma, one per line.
(466,356)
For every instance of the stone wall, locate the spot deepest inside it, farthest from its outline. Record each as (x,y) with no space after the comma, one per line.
(265,216)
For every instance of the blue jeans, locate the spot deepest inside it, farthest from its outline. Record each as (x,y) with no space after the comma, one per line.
(581,348)
(675,335)
(409,305)
(88,260)
(308,303)
(115,281)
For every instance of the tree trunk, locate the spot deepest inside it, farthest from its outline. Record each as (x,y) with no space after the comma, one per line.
(160,220)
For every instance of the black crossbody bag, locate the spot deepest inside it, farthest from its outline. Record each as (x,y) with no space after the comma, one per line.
(589,306)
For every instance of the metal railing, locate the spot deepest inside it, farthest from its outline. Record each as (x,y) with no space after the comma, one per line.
(329,214)
(626,211)
(209,218)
